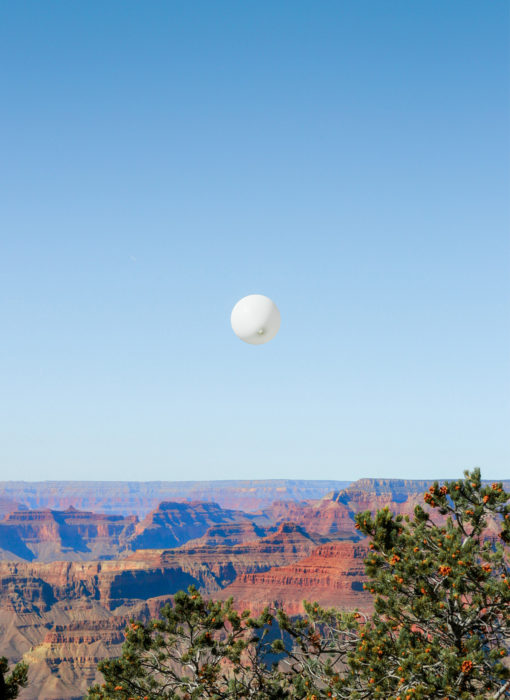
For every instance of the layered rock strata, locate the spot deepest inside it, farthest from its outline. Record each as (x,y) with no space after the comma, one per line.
(69,535)
(332,575)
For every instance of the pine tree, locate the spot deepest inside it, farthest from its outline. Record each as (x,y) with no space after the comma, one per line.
(11,685)
(197,649)
(441,622)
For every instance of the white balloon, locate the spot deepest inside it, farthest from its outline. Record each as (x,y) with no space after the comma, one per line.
(255,319)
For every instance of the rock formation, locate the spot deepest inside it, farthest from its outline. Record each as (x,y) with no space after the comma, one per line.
(72,535)
(69,535)
(172,523)
(327,517)
(332,575)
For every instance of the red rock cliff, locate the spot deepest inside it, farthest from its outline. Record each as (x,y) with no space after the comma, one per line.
(332,575)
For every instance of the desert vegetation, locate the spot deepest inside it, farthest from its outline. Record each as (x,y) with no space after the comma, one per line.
(440,625)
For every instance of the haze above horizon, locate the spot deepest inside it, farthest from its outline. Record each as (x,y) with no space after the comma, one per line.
(160,161)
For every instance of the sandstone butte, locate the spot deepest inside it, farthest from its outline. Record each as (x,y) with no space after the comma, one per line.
(173,523)
(72,535)
(63,617)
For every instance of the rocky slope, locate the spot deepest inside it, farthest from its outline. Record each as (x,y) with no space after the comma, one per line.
(64,644)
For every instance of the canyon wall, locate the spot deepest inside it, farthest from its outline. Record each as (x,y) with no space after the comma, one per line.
(332,575)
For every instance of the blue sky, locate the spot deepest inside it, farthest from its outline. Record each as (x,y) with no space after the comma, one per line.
(161,160)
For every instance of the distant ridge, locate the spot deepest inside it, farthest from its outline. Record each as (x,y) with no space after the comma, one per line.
(140,497)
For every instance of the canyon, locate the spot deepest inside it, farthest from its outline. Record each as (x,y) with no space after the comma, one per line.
(140,497)
(71,579)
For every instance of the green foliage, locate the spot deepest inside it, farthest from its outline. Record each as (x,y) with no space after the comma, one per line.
(441,621)
(440,626)
(11,685)
(197,649)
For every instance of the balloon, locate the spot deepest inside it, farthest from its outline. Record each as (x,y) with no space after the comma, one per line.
(255,319)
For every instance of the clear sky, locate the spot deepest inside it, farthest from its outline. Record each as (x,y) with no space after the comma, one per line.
(160,160)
